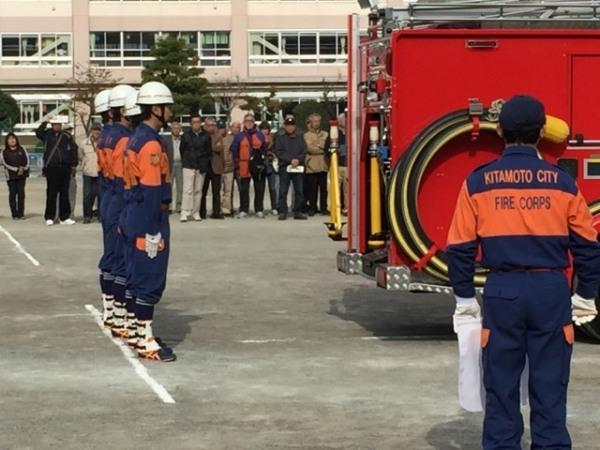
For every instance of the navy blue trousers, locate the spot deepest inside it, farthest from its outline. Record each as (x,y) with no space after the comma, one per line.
(107,260)
(526,314)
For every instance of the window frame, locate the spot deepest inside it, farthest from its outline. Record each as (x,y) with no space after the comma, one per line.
(41,60)
(122,60)
(281,58)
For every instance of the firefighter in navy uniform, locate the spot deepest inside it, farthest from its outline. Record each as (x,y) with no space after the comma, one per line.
(146,223)
(121,131)
(526,215)
(102,107)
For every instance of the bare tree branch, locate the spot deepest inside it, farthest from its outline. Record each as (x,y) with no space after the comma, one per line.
(85,85)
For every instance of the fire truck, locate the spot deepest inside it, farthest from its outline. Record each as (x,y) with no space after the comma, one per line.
(425,89)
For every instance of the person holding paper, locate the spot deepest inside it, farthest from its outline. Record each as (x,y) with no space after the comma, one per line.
(290,149)
(525,215)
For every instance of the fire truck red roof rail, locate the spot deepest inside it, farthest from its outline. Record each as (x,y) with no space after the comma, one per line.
(486,13)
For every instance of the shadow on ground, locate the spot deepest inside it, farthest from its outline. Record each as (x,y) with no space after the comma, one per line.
(173,326)
(397,315)
(463,434)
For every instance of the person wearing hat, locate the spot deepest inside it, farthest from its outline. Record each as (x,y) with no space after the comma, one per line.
(524,215)
(88,161)
(146,223)
(290,149)
(60,160)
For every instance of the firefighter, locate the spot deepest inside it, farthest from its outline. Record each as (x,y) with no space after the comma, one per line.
(116,145)
(133,113)
(526,215)
(102,107)
(147,219)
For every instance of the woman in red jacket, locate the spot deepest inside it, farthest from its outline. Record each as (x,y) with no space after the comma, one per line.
(16,164)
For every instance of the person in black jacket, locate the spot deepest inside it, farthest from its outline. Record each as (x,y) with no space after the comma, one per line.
(60,160)
(196,150)
(16,164)
(290,149)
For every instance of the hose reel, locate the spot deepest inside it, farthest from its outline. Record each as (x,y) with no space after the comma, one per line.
(407,176)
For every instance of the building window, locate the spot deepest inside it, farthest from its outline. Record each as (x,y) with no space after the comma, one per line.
(215,50)
(35,49)
(34,109)
(132,48)
(298,47)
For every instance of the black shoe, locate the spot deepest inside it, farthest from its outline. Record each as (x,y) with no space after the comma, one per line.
(217,216)
(87,220)
(282,217)
(300,216)
(311,213)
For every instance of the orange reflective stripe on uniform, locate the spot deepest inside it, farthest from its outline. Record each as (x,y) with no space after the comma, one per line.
(580,218)
(464,222)
(165,170)
(117,157)
(149,164)
(520,212)
(130,170)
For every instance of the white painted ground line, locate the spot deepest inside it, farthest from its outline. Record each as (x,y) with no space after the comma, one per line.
(20,248)
(140,369)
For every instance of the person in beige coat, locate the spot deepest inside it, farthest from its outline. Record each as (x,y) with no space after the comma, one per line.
(317,165)
(229,168)
(88,162)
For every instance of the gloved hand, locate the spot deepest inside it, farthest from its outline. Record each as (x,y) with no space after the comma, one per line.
(467,307)
(584,310)
(152,243)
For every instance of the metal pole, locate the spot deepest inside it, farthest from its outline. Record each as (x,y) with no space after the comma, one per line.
(353,128)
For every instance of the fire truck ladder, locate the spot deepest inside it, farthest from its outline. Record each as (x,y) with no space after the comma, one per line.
(432,14)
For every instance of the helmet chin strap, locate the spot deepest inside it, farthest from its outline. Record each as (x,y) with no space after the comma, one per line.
(162,116)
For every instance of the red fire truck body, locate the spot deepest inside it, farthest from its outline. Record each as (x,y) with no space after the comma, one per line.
(417,73)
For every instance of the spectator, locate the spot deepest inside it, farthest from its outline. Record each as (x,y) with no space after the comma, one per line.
(173,148)
(282,131)
(60,160)
(317,166)
(290,149)
(343,162)
(15,160)
(195,159)
(89,167)
(272,167)
(215,170)
(73,182)
(228,169)
(250,160)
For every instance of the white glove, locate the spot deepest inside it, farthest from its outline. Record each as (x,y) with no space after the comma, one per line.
(584,310)
(467,307)
(152,243)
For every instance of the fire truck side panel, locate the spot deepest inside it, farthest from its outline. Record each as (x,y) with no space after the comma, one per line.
(436,72)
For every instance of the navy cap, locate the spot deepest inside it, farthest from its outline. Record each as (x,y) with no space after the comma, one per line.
(522,112)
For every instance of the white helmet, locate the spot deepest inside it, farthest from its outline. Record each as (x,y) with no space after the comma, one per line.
(101,102)
(154,93)
(119,94)
(131,106)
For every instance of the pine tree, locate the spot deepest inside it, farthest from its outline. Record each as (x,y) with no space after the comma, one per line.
(176,65)
(9,112)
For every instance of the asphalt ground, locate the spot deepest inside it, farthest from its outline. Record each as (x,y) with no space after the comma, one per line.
(277,350)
